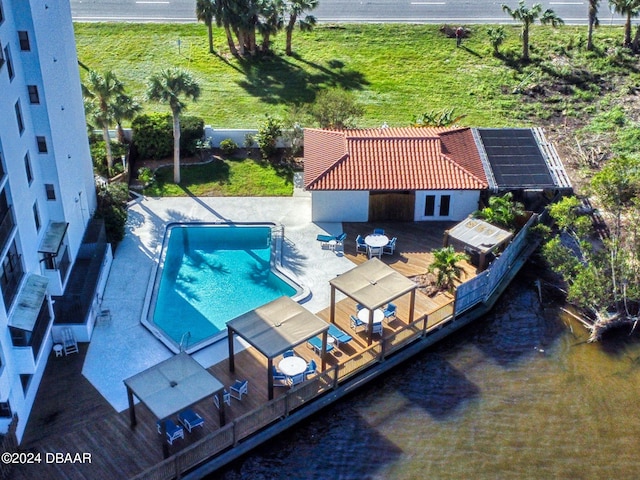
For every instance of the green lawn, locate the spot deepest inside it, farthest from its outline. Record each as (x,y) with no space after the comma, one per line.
(396,71)
(224,178)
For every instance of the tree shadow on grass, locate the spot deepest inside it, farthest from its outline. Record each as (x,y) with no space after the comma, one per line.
(276,80)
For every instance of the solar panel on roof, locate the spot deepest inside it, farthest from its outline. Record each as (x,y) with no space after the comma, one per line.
(515,158)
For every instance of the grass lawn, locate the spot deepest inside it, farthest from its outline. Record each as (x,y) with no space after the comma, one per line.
(224,178)
(397,71)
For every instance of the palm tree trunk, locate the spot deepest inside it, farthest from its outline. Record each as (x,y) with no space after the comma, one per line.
(590,35)
(627,31)
(210,27)
(525,43)
(230,42)
(290,27)
(176,147)
(120,132)
(107,144)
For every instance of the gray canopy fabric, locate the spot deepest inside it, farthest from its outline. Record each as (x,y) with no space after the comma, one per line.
(478,238)
(275,328)
(172,386)
(372,284)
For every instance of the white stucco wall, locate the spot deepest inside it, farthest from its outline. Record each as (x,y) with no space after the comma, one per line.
(463,202)
(340,206)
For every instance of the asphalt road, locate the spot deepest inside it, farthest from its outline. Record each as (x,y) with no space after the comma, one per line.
(411,11)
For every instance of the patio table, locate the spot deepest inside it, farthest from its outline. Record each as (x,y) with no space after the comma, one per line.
(291,366)
(376,241)
(378,315)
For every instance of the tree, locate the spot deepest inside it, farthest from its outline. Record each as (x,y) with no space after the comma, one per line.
(170,86)
(445,263)
(124,107)
(295,8)
(205,12)
(268,134)
(336,108)
(527,16)
(502,211)
(593,21)
(100,92)
(497,36)
(628,8)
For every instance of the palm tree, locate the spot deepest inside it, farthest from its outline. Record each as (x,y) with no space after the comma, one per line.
(170,86)
(124,107)
(295,9)
(502,211)
(205,12)
(527,16)
(628,8)
(593,21)
(445,263)
(497,36)
(100,91)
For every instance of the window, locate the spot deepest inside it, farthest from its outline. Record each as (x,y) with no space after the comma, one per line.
(51,192)
(34,95)
(7,57)
(19,117)
(1,56)
(5,410)
(11,273)
(27,167)
(42,144)
(36,216)
(23,37)
(429,205)
(445,204)
(1,14)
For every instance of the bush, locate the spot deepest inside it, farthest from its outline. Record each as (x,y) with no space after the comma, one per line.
(228,146)
(112,208)
(268,135)
(153,135)
(145,176)
(99,157)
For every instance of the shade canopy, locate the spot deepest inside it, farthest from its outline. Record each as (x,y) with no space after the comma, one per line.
(277,326)
(479,235)
(172,385)
(373,284)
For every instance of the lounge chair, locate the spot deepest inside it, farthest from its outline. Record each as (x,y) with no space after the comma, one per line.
(356,323)
(361,246)
(390,311)
(279,378)
(316,344)
(311,368)
(338,335)
(241,387)
(226,398)
(390,247)
(190,419)
(325,238)
(173,431)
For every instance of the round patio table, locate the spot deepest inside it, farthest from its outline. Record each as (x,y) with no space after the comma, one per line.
(378,315)
(291,366)
(376,241)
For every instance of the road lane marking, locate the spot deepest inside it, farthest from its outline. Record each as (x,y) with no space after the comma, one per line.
(154,2)
(428,3)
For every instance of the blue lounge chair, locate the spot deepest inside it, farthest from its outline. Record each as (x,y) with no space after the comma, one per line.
(338,335)
(390,247)
(190,419)
(356,323)
(173,431)
(361,246)
(390,311)
(316,344)
(311,368)
(241,387)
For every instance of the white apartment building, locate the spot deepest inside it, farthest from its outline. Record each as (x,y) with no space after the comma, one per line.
(47,192)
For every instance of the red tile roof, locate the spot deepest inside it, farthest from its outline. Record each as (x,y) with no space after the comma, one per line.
(392,159)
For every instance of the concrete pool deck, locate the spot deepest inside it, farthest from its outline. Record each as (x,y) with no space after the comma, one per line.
(123,347)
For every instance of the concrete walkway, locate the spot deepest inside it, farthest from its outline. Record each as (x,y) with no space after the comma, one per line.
(123,347)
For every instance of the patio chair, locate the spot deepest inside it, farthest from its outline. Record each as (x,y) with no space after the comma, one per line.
(338,335)
(390,247)
(311,368)
(316,344)
(173,431)
(289,353)
(341,238)
(377,328)
(361,246)
(241,387)
(375,251)
(356,323)
(296,379)
(378,231)
(359,307)
(390,311)
(190,419)
(226,398)
(279,378)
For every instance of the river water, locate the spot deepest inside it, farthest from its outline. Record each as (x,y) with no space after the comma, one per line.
(517,395)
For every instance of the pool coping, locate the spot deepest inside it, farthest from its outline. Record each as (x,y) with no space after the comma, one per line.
(302,294)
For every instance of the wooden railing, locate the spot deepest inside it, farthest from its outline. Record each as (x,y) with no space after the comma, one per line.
(281,407)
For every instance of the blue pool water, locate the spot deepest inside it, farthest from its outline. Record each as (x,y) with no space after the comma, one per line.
(211,274)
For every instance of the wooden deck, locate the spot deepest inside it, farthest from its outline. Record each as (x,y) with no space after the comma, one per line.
(70,415)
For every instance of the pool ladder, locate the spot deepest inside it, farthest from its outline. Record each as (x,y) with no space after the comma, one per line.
(184,342)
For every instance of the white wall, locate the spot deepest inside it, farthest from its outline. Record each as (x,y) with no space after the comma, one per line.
(340,206)
(463,202)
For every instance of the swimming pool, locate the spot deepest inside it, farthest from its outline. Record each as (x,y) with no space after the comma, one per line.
(209,274)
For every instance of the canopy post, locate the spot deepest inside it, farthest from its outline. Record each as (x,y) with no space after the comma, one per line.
(412,306)
(370,327)
(332,317)
(132,407)
(232,365)
(270,377)
(221,411)
(324,351)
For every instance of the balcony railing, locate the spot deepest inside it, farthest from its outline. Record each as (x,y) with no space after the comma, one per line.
(6,227)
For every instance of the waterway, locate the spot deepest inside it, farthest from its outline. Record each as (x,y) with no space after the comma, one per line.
(517,395)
